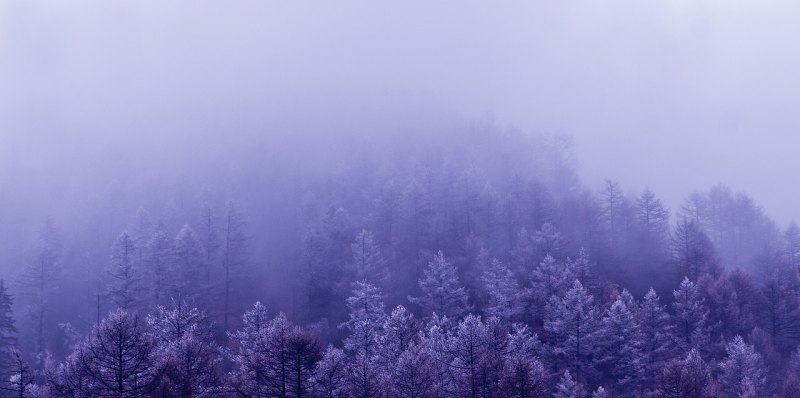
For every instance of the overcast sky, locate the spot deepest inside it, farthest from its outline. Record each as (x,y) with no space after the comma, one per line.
(674,95)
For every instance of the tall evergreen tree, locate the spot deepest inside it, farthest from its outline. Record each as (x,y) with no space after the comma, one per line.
(620,349)
(187,267)
(8,332)
(124,287)
(690,317)
(442,292)
(156,267)
(571,324)
(657,336)
(368,263)
(502,291)
(742,369)
(40,278)
(365,326)
(234,248)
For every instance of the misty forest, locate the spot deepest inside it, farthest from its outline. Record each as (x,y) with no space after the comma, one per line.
(305,209)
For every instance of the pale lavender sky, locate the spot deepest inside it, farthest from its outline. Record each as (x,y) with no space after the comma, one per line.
(675,95)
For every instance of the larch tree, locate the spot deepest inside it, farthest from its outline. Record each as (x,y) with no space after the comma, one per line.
(116,360)
(187,359)
(742,370)
(400,329)
(208,236)
(549,241)
(690,316)
(274,358)
(572,325)
(685,378)
(157,261)
(548,278)
(123,289)
(8,332)
(651,215)
(21,381)
(442,292)
(331,374)
(187,266)
(466,347)
(657,335)
(568,387)
(365,326)
(692,251)
(39,279)
(523,375)
(502,291)
(619,350)
(368,263)
(234,247)
(613,208)
(411,375)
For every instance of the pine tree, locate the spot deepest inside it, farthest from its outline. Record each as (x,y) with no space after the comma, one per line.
(21,381)
(187,268)
(365,326)
(567,387)
(523,375)
(40,278)
(549,241)
(399,330)
(502,290)
(657,335)
(187,359)
(572,326)
(690,316)
(157,260)
(549,278)
(331,374)
(742,369)
(272,357)
(442,293)
(651,215)
(117,360)
(124,288)
(8,331)
(582,269)
(412,374)
(686,378)
(234,250)
(368,263)
(466,347)
(620,348)
(692,251)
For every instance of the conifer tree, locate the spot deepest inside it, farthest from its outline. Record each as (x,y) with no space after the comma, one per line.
(502,290)
(742,370)
(690,316)
(234,250)
(124,288)
(8,332)
(368,263)
(572,325)
(620,348)
(442,292)
(567,387)
(657,335)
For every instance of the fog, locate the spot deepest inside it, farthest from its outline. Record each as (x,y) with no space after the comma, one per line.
(672,95)
(467,127)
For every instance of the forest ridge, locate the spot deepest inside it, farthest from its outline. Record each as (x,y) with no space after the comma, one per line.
(470,264)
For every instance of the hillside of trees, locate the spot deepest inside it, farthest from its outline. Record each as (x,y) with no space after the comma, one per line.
(469,263)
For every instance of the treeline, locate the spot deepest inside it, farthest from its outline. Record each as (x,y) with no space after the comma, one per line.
(469,263)
(622,347)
